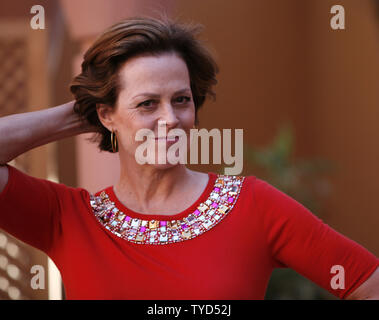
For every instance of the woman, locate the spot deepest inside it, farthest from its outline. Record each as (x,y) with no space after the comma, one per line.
(162,231)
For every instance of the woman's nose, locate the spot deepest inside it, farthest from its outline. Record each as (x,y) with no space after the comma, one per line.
(169,116)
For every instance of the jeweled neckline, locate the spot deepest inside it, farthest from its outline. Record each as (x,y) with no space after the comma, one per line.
(210,209)
(208,188)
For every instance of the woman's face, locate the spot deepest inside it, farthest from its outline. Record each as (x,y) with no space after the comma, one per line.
(153,89)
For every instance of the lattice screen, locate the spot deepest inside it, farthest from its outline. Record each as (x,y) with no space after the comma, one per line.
(16,258)
(12,76)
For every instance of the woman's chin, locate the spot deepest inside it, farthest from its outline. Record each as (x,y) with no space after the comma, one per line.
(163,166)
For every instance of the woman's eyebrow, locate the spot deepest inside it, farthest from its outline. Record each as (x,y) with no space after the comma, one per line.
(154,95)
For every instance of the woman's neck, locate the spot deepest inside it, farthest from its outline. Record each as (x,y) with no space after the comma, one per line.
(144,187)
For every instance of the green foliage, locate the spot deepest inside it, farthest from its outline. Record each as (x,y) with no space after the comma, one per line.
(303,179)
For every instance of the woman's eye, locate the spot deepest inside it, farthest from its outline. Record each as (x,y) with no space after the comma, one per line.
(145,103)
(183,99)
(180,100)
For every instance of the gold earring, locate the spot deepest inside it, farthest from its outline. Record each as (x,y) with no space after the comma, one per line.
(114,142)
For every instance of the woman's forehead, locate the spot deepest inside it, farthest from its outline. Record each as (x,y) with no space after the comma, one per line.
(153,74)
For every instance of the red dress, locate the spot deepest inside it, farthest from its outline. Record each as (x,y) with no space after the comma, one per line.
(249,229)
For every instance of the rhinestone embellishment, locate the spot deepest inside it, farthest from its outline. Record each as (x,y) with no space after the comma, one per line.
(207,215)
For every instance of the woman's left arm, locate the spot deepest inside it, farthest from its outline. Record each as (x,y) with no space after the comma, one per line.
(299,240)
(368,290)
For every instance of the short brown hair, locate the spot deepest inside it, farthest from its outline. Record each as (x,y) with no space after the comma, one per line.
(98,81)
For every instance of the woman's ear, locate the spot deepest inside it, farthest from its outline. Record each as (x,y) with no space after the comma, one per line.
(105,114)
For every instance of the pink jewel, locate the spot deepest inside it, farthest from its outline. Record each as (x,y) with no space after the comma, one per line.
(127,218)
(163,223)
(184,226)
(216,189)
(214,205)
(142,229)
(231,199)
(197,212)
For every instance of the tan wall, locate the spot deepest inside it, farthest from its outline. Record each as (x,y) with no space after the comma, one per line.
(343,104)
(257,45)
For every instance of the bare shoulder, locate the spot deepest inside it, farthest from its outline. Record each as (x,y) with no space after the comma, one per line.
(3,177)
(368,290)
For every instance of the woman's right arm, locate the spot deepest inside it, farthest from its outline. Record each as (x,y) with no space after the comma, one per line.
(22,132)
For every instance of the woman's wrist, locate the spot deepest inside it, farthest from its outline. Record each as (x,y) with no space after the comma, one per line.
(73,123)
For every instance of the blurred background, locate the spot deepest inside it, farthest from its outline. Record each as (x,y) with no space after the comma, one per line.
(306,96)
